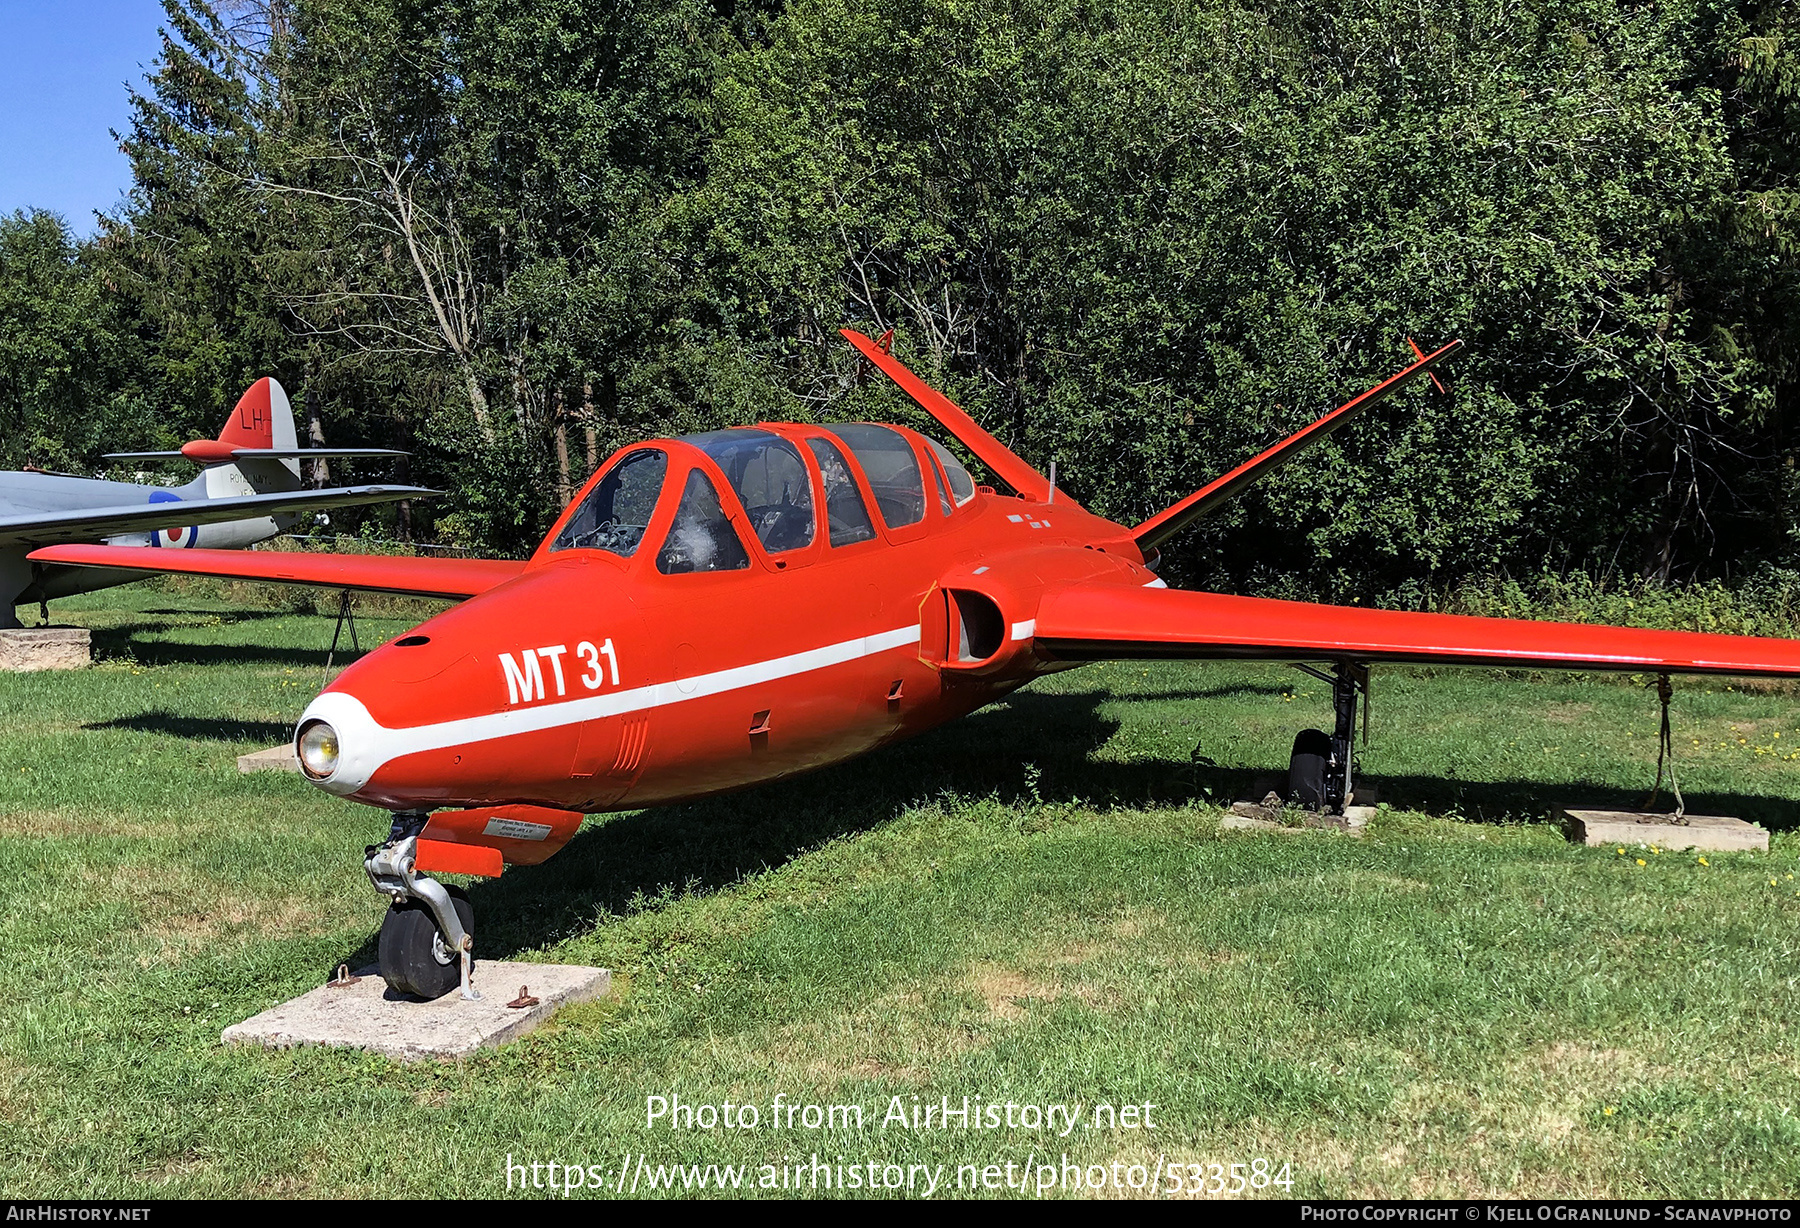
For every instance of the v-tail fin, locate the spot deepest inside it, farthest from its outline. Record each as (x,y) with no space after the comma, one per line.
(1000,460)
(1209,498)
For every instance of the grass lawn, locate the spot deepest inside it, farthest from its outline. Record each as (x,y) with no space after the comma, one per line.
(1034,905)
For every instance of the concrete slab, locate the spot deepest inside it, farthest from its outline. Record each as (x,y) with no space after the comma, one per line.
(1260,809)
(25,649)
(1250,816)
(1262,786)
(275,759)
(1713,832)
(368,1015)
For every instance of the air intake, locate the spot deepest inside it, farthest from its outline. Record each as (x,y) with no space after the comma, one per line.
(978,626)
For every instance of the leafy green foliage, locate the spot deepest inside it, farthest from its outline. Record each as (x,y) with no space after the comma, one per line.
(1148,239)
(1142,238)
(61,353)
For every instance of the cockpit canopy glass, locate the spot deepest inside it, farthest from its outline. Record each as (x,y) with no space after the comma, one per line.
(771,482)
(845,512)
(701,539)
(962,486)
(937,478)
(888,462)
(616,512)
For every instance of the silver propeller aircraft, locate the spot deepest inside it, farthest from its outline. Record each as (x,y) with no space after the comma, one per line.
(247,491)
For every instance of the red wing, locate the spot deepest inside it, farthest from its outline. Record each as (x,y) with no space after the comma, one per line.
(455,578)
(1092,622)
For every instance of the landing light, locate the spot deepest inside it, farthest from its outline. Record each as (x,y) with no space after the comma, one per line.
(318,743)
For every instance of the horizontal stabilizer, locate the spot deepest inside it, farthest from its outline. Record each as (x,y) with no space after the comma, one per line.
(216,452)
(374,573)
(1209,498)
(1100,622)
(1000,460)
(42,528)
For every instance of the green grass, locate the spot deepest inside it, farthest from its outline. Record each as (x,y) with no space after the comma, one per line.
(1034,904)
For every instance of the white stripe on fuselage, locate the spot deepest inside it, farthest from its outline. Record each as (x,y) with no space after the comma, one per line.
(367,744)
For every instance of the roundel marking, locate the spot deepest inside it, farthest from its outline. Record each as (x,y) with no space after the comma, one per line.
(175,537)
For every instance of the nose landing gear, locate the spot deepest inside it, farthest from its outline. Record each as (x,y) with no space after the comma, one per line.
(1320,768)
(426,946)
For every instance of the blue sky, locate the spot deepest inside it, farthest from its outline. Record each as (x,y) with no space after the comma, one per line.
(63,69)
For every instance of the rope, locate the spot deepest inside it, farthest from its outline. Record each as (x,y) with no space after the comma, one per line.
(1665,750)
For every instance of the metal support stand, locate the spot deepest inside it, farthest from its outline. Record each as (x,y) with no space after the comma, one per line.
(1348,680)
(346,614)
(1665,750)
(37,582)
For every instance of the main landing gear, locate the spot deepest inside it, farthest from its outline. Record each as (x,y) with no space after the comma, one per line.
(1320,769)
(426,947)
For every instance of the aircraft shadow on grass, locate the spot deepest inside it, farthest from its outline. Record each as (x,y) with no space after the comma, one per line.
(200,728)
(1233,690)
(1513,801)
(229,616)
(132,641)
(635,860)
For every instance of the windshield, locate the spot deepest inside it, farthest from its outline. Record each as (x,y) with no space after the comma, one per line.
(770,480)
(616,512)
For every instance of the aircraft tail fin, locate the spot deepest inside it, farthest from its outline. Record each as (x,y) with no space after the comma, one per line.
(1002,461)
(260,429)
(254,450)
(262,418)
(261,421)
(1177,516)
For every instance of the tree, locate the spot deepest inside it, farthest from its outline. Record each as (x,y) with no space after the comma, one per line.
(1141,238)
(64,367)
(1146,238)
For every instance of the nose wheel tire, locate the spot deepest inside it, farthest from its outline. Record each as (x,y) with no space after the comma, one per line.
(413,955)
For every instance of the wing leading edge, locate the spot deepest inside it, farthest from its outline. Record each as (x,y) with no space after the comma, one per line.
(375,573)
(42,527)
(1094,622)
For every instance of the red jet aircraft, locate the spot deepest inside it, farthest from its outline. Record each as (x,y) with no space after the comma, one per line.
(725,609)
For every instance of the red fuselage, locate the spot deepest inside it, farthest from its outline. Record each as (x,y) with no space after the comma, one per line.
(598,681)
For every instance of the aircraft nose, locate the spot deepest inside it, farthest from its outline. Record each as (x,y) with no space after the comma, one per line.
(487,700)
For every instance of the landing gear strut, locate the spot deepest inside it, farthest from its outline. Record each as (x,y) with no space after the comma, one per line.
(426,947)
(1320,769)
